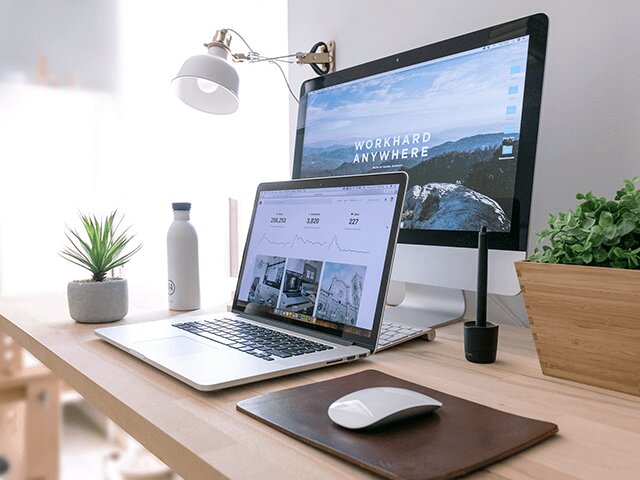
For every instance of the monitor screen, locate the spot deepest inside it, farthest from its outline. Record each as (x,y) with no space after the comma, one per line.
(460,117)
(317,255)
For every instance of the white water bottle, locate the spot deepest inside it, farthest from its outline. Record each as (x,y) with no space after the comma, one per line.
(182,256)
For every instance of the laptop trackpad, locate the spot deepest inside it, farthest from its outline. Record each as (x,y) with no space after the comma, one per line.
(172,347)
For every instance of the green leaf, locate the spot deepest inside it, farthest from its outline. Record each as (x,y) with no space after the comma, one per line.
(588,223)
(600,255)
(610,232)
(606,219)
(611,206)
(630,185)
(587,257)
(625,227)
(102,246)
(616,253)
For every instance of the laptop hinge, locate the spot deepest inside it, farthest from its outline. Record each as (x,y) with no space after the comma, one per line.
(296,329)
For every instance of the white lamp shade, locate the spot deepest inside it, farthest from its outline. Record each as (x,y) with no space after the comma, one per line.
(196,83)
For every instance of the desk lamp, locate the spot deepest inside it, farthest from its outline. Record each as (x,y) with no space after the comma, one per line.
(209,82)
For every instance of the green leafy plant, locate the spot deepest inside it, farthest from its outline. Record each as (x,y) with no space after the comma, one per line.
(103,247)
(600,232)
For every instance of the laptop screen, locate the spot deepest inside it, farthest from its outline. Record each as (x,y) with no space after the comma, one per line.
(317,255)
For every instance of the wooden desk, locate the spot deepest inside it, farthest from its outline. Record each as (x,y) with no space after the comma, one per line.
(202,436)
(29,416)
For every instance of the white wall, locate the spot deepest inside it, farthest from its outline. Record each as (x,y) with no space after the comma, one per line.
(589,135)
(176,153)
(136,146)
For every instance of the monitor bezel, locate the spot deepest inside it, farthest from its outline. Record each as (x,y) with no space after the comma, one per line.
(536,26)
(391,178)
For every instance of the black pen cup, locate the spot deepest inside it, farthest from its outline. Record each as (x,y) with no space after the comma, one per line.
(480,343)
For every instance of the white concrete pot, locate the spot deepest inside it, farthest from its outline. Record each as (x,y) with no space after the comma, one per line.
(98,302)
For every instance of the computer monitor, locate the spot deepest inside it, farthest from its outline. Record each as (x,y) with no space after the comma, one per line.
(461,118)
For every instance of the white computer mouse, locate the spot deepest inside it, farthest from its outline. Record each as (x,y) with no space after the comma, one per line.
(373,407)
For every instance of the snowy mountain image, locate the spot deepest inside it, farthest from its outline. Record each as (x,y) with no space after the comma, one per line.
(451,206)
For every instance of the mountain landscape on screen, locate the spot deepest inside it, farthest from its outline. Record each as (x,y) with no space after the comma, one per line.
(453,124)
(462,184)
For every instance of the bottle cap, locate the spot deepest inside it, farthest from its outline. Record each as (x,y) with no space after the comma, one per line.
(181,206)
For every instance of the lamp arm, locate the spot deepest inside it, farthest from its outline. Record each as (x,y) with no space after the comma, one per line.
(281,58)
(322,62)
(253,57)
(321,57)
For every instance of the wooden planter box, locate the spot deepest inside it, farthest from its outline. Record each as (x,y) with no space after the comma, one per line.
(585,322)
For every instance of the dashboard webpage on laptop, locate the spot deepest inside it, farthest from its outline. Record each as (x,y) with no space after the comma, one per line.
(317,255)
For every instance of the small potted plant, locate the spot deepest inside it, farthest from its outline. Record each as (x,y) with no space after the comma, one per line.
(100,250)
(581,290)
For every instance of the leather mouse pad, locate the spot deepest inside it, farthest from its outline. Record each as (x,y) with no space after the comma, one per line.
(456,439)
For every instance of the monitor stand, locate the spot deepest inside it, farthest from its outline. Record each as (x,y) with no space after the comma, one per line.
(423,306)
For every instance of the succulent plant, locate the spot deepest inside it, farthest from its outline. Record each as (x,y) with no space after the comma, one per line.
(101,248)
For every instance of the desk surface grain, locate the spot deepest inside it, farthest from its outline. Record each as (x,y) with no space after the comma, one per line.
(202,436)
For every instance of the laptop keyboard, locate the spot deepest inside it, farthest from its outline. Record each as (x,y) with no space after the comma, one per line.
(248,338)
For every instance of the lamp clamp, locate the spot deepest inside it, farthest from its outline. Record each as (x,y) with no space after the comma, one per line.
(321,55)
(312,57)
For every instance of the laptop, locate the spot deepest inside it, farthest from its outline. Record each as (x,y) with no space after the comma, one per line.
(311,288)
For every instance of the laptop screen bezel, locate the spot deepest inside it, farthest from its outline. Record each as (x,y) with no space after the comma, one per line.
(394,178)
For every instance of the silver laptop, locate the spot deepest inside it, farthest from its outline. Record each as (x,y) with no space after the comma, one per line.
(311,288)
